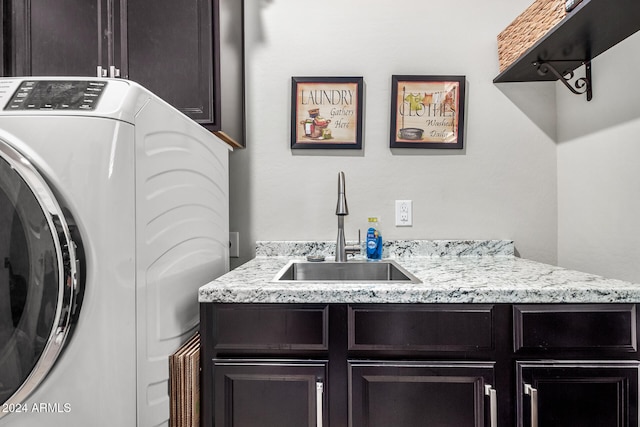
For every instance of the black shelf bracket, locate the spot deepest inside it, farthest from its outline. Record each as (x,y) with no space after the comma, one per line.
(580,86)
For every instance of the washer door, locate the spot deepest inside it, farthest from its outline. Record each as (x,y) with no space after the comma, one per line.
(38,277)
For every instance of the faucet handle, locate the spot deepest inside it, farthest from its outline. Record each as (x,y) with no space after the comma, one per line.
(354,249)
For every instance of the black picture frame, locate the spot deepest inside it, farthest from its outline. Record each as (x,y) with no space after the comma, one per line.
(427,111)
(326,112)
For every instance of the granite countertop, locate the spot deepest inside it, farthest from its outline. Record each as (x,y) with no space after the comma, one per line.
(450,271)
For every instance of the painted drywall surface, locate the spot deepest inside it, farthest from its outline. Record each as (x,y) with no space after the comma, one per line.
(502,185)
(598,172)
(231,68)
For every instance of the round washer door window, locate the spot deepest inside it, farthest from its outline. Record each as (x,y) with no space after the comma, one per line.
(38,277)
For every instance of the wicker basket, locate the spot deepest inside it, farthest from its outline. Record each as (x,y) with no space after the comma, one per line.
(528,28)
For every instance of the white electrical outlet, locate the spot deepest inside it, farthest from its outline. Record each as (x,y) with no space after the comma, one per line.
(234,244)
(404,214)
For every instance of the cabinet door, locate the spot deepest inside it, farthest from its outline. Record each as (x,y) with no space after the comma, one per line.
(61,39)
(168,46)
(425,394)
(170,50)
(585,394)
(269,393)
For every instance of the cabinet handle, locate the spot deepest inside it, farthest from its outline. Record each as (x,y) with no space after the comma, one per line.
(113,71)
(533,393)
(101,72)
(493,404)
(319,403)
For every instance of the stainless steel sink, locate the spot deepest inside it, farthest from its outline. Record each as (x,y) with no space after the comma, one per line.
(353,271)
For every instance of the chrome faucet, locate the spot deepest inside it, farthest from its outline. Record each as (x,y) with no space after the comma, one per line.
(341,211)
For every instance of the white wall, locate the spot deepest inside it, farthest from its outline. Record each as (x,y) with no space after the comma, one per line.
(598,168)
(501,186)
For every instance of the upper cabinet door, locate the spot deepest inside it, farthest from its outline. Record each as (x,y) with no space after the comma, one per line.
(54,40)
(168,46)
(171,50)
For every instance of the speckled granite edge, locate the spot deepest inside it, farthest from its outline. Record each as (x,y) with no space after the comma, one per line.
(482,279)
(450,271)
(393,248)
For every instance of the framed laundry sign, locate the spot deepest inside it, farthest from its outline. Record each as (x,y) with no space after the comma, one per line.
(326,112)
(427,111)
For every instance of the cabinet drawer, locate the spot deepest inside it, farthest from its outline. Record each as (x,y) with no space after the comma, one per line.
(270,328)
(600,327)
(435,328)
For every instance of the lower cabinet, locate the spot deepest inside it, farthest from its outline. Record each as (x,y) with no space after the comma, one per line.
(585,394)
(383,394)
(269,393)
(426,365)
(570,365)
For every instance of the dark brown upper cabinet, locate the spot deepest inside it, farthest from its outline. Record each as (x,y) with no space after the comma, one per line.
(170,47)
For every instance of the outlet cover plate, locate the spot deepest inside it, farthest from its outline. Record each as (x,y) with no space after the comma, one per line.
(404,213)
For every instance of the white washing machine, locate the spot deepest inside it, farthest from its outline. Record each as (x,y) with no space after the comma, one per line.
(113,212)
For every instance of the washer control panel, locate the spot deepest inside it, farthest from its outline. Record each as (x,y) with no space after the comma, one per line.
(56,95)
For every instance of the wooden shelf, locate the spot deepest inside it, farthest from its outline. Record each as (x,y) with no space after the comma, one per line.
(590,29)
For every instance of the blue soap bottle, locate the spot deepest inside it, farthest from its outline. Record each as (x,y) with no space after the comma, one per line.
(374,240)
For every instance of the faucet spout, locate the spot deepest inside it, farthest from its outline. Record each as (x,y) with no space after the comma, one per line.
(341,211)
(341,208)
(341,245)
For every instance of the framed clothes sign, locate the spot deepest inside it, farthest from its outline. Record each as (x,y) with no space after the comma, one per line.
(326,112)
(427,111)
